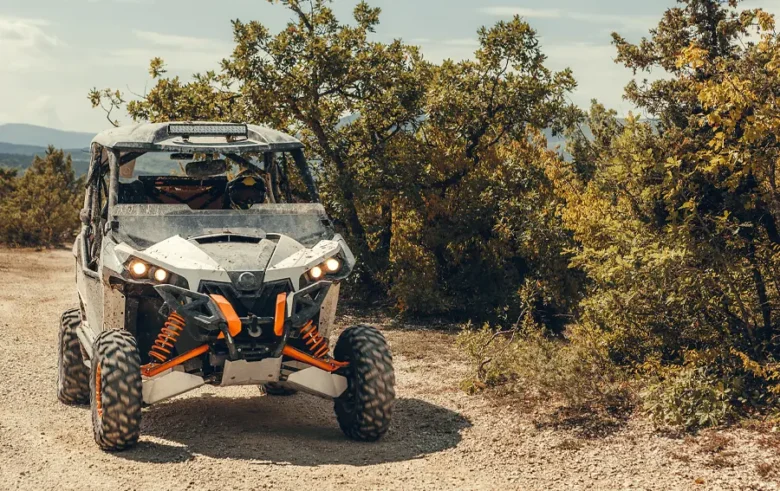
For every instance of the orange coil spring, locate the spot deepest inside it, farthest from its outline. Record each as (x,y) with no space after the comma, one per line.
(315,342)
(163,345)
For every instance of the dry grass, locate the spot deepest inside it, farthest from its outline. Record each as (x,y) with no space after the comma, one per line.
(722,460)
(424,345)
(433,341)
(771,442)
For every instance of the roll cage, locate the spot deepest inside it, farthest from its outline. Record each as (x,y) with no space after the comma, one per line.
(240,143)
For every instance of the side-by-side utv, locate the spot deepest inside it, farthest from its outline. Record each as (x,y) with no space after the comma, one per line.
(205,258)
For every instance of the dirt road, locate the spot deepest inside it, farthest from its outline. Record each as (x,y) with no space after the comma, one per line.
(237,439)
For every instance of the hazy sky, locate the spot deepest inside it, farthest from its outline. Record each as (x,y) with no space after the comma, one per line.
(53,51)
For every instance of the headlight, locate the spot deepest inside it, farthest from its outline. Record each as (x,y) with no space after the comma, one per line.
(329,266)
(332,265)
(316,272)
(141,270)
(160,275)
(138,268)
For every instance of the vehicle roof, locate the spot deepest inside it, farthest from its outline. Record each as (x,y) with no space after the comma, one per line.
(154,136)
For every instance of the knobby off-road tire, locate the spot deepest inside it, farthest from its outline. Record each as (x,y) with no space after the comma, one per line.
(115,390)
(72,373)
(365,409)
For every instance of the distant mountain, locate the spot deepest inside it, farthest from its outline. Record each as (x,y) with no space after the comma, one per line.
(40,136)
(16,149)
(21,161)
(15,161)
(20,157)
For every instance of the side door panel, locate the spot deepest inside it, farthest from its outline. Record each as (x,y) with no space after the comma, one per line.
(113,299)
(90,291)
(88,278)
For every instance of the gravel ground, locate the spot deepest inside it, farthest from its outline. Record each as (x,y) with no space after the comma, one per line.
(234,438)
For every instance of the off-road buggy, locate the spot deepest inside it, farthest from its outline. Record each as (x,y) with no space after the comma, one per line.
(205,258)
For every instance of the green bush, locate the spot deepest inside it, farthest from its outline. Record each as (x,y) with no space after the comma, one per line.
(693,396)
(676,222)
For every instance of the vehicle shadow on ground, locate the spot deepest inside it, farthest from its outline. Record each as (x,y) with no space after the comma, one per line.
(297,430)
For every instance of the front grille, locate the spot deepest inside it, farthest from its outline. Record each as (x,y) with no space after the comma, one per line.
(258,304)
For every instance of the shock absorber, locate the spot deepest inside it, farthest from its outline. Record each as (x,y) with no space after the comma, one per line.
(166,340)
(315,342)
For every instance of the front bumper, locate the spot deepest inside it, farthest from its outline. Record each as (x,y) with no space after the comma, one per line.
(212,326)
(219,320)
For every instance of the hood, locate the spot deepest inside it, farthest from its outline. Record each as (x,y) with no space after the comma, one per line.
(228,257)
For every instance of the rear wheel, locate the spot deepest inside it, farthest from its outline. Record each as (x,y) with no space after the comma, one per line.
(72,373)
(115,390)
(365,409)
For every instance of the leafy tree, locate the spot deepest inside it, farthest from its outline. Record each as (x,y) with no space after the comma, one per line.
(304,80)
(433,163)
(7,181)
(676,221)
(41,207)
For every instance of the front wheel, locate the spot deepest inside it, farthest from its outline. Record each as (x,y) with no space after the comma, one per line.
(365,409)
(115,390)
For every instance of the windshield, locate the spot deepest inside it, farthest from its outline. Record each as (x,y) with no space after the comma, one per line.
(144,225)
(163,194)
(209,181)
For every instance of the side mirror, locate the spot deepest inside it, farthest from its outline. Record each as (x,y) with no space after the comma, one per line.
(84,216)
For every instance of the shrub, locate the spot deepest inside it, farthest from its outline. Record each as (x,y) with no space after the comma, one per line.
(692,397)
(527,361)
(676,221)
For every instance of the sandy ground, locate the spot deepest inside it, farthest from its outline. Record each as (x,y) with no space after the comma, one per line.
(237,439)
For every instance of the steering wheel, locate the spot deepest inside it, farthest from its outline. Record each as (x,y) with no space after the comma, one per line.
(245,190)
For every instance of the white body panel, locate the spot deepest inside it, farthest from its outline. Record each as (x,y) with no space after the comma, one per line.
(168,384)
(312,380)
(298,263)
(328,311)
(179,256)
(318,382)
(242,372)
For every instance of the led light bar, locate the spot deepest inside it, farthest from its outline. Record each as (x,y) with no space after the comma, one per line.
(207,129)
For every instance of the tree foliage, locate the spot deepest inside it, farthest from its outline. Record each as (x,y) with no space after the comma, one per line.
(428,170)
(675,222)
(40,208)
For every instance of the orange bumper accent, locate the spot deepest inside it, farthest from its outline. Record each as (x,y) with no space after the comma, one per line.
(234,323)
(152,369)
(322,364)
(281,308)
